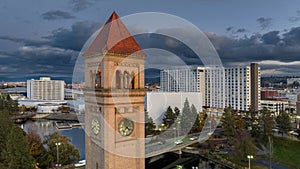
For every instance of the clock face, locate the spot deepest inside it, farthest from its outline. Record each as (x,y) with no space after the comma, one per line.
(126,127)
(95,126)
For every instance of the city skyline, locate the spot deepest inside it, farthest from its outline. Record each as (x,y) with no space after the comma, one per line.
(44,39)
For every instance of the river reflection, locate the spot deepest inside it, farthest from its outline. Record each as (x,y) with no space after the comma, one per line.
(46,127)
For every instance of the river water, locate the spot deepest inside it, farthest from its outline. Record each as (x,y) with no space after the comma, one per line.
(46,127)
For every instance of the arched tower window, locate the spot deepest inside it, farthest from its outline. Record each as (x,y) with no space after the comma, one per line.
(98,79)
(126,80)
(118,79)
(133,81)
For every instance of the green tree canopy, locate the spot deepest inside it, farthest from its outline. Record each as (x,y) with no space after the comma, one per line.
(17,154)
(243,145)
(8,105)
(194,113)
(189,118)
(37,150)
(169,117)
(228,123)
(283,121)
(267,121)
(68,154)
(149,125)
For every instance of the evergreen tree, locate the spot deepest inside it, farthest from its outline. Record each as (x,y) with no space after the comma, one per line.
(194,113)
(267,121)
(228,123)
(149,125)
(169,117)
(283,121)
(5,128)
(253,123)
(17,151)
(187,118)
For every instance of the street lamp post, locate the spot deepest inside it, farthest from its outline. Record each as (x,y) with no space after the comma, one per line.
(249,157)
(57,154)
(174,128)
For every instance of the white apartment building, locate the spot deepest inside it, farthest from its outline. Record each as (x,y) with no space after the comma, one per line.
(45,89)
(184,79)
(238,87)
(215,87)
(187,79)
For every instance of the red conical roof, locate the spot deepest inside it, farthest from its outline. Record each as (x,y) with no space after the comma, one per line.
(114,37)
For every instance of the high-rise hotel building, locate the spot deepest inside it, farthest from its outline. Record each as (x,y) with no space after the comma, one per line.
(214,87)
(45,89)
(183,79)
(238,87)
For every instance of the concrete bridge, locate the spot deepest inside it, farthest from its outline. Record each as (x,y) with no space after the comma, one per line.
(166,143)
(169,145)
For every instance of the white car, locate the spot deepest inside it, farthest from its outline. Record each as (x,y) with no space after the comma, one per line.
(193,138)
(177,142)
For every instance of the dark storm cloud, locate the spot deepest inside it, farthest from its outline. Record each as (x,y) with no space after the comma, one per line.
(79,5)
(235,32)
(264,23)
(292,37)
(57,14)
(54,55)
(38,61)
(276,52)
(241,30)
(27,42)
(73,38)
(229,28)
(169,44)
(271,38)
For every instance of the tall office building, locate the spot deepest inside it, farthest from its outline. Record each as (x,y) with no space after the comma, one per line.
(238,87)
(255,87)
(45,89)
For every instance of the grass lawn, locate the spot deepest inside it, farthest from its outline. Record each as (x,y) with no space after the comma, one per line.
(286,151)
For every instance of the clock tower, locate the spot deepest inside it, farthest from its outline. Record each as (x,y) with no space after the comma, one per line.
(114,99)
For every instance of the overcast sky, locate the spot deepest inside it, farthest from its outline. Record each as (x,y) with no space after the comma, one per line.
(43,38)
